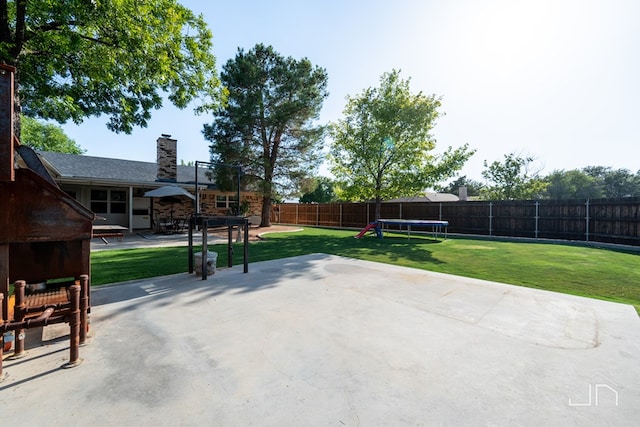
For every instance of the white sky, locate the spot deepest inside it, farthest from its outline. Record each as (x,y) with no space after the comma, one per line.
(556,79)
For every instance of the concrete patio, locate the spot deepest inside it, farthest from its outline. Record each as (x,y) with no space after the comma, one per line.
(323,340)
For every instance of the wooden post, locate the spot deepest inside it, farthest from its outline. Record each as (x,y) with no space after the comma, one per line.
(190,244)
(229,246)
(205,249)
(74,328)
(19,312)
(4,280)
(84,308)
(246,246)
(1,337)
(7,172)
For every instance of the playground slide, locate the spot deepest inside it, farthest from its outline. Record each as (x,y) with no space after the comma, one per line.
(367,228)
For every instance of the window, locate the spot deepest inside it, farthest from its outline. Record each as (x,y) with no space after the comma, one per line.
(118,201)
(109,201)
(226,202)
(221,201)
(99,201)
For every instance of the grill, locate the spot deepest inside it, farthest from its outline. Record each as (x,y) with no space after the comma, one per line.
(45,238)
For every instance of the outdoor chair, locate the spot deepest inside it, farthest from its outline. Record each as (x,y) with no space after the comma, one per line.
(164,225)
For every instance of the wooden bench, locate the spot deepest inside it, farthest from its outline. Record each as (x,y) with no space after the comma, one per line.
(104,231)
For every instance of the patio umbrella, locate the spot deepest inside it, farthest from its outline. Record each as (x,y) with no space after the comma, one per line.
(169,191)
(170,194)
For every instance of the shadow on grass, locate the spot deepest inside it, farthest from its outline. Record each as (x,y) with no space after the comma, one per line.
(392,248)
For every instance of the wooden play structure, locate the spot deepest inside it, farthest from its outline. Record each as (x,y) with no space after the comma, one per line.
(45,237)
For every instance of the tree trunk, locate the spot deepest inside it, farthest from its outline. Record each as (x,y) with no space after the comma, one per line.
(378,206)
(266,212)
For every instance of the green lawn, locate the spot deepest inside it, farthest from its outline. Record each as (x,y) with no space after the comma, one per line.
(586,271)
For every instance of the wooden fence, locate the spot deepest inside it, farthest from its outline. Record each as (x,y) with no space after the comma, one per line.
(601,220)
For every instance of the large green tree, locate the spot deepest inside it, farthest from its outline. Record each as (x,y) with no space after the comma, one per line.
(320,190)
(615,182)
(47,137)
(572,184)
(382,148)
(514,178)
(80,58)
(268,126)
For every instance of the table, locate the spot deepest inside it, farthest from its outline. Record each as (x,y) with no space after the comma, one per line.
(104,231)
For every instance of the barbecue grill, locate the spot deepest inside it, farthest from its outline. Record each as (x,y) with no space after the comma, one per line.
(45,237)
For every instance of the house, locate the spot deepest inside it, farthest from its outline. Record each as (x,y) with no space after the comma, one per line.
(427,197)
(114,189)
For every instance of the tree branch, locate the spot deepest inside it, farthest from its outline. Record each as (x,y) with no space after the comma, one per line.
(52,26)
(57,26)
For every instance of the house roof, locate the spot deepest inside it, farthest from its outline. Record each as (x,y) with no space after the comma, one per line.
(428,197)
(80,168)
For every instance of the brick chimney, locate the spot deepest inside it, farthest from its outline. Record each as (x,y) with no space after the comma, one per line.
(462,193)
(167,159)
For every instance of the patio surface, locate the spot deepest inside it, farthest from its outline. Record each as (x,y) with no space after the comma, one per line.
(321,340)
(148,239)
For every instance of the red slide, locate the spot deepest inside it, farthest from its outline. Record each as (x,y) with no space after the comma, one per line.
(367,228)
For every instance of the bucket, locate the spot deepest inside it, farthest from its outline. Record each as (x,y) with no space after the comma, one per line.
(212,257)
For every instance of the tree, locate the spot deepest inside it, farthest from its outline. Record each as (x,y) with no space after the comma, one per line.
(513,179)
(382,147)
(321,192)
(268,125)
(615,183)
(622,183)
(47,137)
(81,58)
(573,184)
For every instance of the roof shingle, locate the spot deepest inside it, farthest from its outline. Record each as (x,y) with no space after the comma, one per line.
(86,168)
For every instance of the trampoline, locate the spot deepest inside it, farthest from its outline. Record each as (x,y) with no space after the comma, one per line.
(437,226)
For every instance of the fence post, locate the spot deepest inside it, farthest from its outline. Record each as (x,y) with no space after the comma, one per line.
(587,221)
(440,213)
(537,216)
(297,219)
(340,214)
(490,218)
(400,209)
(317,214)
(368,220)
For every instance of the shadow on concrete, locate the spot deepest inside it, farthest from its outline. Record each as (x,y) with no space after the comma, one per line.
(162,291)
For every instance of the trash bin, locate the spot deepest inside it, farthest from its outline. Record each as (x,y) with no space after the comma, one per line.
(212,257)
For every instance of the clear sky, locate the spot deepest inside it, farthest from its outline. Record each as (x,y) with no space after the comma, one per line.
(555,79)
